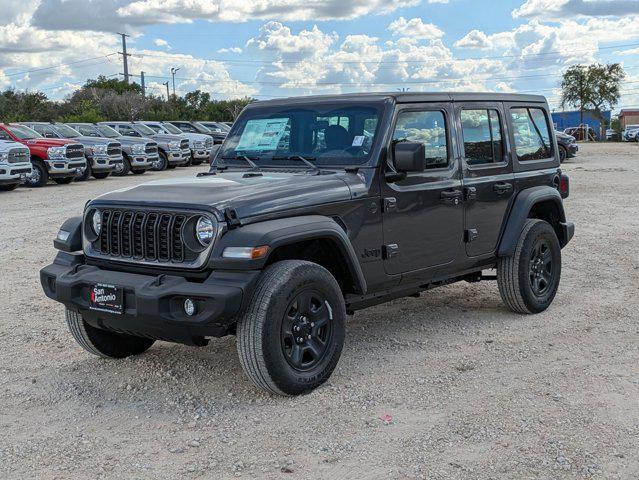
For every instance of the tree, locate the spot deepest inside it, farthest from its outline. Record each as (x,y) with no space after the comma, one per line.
(593,87)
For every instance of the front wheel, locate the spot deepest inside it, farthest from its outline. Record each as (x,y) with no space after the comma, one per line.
(291,333)
(39,175)
(563,154)
(103,343)
(529,278)
(161,163)
(123,168)
(84,173)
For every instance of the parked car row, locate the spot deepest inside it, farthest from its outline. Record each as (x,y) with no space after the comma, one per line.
(35,152)
(630,133)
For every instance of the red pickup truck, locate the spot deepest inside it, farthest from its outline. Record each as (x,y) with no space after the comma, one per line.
(54,158)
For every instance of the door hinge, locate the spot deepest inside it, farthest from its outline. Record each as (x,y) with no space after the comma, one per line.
(470,235)
(391,251)
(389,204)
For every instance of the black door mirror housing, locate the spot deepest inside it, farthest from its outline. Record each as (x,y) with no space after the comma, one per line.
(409,157)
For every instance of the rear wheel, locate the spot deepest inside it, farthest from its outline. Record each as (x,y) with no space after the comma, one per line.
(290,335)
(101,175)
(122,169)
(63,180)
(39,175)
(529,278)
(102,342)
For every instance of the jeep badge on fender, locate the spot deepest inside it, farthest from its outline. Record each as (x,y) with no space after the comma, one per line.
(314,208)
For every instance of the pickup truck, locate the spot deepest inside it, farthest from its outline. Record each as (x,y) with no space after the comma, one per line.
(15,164)
(51,158)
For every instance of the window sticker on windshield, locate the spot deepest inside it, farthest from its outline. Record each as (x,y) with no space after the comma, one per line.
(262,134)
(358,141)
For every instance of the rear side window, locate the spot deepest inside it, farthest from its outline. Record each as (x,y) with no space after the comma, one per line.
(482,134)
(531,133)
(427,127)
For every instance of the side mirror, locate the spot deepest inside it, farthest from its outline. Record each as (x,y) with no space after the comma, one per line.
(409,156)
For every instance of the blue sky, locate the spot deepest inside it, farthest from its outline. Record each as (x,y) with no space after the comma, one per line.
(290,47)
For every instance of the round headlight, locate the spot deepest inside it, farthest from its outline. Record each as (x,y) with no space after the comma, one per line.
(205,230)
(96,222)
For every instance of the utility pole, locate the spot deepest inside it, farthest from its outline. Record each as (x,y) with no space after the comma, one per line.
(125,57)
(142,84)
(173,72)
(166,84)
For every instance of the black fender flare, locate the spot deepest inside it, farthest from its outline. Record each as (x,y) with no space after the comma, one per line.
(519,212)
(69,237)
(285,231)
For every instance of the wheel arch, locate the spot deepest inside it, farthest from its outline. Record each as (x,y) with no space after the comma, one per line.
(544,203)
(314,238)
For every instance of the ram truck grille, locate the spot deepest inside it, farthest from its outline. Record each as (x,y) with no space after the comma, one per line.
(114,149)
(151,148)
(208,143)
(143,236)
(184,144)
(19,156)
(75,151)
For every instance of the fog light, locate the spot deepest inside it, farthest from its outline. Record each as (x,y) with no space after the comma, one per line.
(189,307)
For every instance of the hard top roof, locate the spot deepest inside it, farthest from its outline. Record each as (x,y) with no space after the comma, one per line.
(410,97)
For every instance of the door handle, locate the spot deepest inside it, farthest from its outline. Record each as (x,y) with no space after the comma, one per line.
(502,187)
(453,196)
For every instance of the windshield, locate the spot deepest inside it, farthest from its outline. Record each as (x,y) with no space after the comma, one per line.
(143,129)
(65,131)
(107,131)
(155,128)
(23,133)
(200,128)
(172,129)
(325,134)
(217,126)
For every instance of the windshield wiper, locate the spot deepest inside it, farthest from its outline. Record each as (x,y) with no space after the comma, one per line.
(251,163)
(301,159)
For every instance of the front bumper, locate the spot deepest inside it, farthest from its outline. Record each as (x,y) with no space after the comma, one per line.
(12,173)
(142,161)
(567,230)
(177,157)
(201,153)
(65,168)
(105,163)
(153,304)
(572,149)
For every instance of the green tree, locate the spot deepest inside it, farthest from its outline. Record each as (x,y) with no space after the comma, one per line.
(593,87)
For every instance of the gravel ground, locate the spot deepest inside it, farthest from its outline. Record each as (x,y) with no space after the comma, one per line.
(448,386)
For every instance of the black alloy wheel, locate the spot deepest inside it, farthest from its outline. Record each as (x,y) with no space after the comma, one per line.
(541,267)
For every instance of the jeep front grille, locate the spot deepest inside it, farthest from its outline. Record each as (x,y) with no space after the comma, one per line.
(19,155)
(75,151)
(151,148)
(114,149)
(143,236)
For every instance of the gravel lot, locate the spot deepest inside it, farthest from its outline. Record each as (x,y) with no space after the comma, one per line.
(448,386)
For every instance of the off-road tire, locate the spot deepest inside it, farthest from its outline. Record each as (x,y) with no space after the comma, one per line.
(124,168)
(64,180)
(514,271)
(563,154)
(43,177)
(81,177)
(101,175)
(8,188)
(103,343)
(259,340)
(163,162)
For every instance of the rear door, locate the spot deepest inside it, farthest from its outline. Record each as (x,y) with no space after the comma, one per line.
(488,177)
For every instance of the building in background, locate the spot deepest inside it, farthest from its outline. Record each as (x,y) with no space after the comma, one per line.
(628,117)
(564,120)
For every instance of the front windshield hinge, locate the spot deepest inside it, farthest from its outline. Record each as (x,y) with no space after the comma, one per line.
(231,218)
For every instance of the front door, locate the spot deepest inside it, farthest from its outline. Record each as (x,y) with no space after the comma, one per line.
(423,213)
(488,174)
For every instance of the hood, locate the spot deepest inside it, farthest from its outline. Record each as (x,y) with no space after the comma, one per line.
(84,140)
(48,142)
(9,144)
(248,195)
(195,137)
(126,140)
(167,137)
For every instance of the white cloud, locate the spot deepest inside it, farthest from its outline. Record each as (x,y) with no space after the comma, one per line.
(554,9)
(415,28)
(230,50)
(474,39)
(160,42)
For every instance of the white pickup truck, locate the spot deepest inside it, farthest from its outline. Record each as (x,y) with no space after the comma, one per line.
(15,164)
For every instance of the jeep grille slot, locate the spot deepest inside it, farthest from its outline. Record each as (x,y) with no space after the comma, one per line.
(147,236)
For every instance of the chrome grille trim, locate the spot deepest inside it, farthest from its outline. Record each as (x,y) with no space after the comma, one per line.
(151,148)
(74,151)
(19,155)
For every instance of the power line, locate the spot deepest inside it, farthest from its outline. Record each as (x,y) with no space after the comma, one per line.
(59,65)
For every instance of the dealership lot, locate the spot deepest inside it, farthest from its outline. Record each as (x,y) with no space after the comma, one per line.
(450,385)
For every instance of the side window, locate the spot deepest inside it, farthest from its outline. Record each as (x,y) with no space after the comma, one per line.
(126,130)
(45,131)
(4,135)
(427,127)
(482,133)
(86,131)
(187,127)
(532,136)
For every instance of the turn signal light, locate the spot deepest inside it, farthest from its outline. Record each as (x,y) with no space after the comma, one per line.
(249,253)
